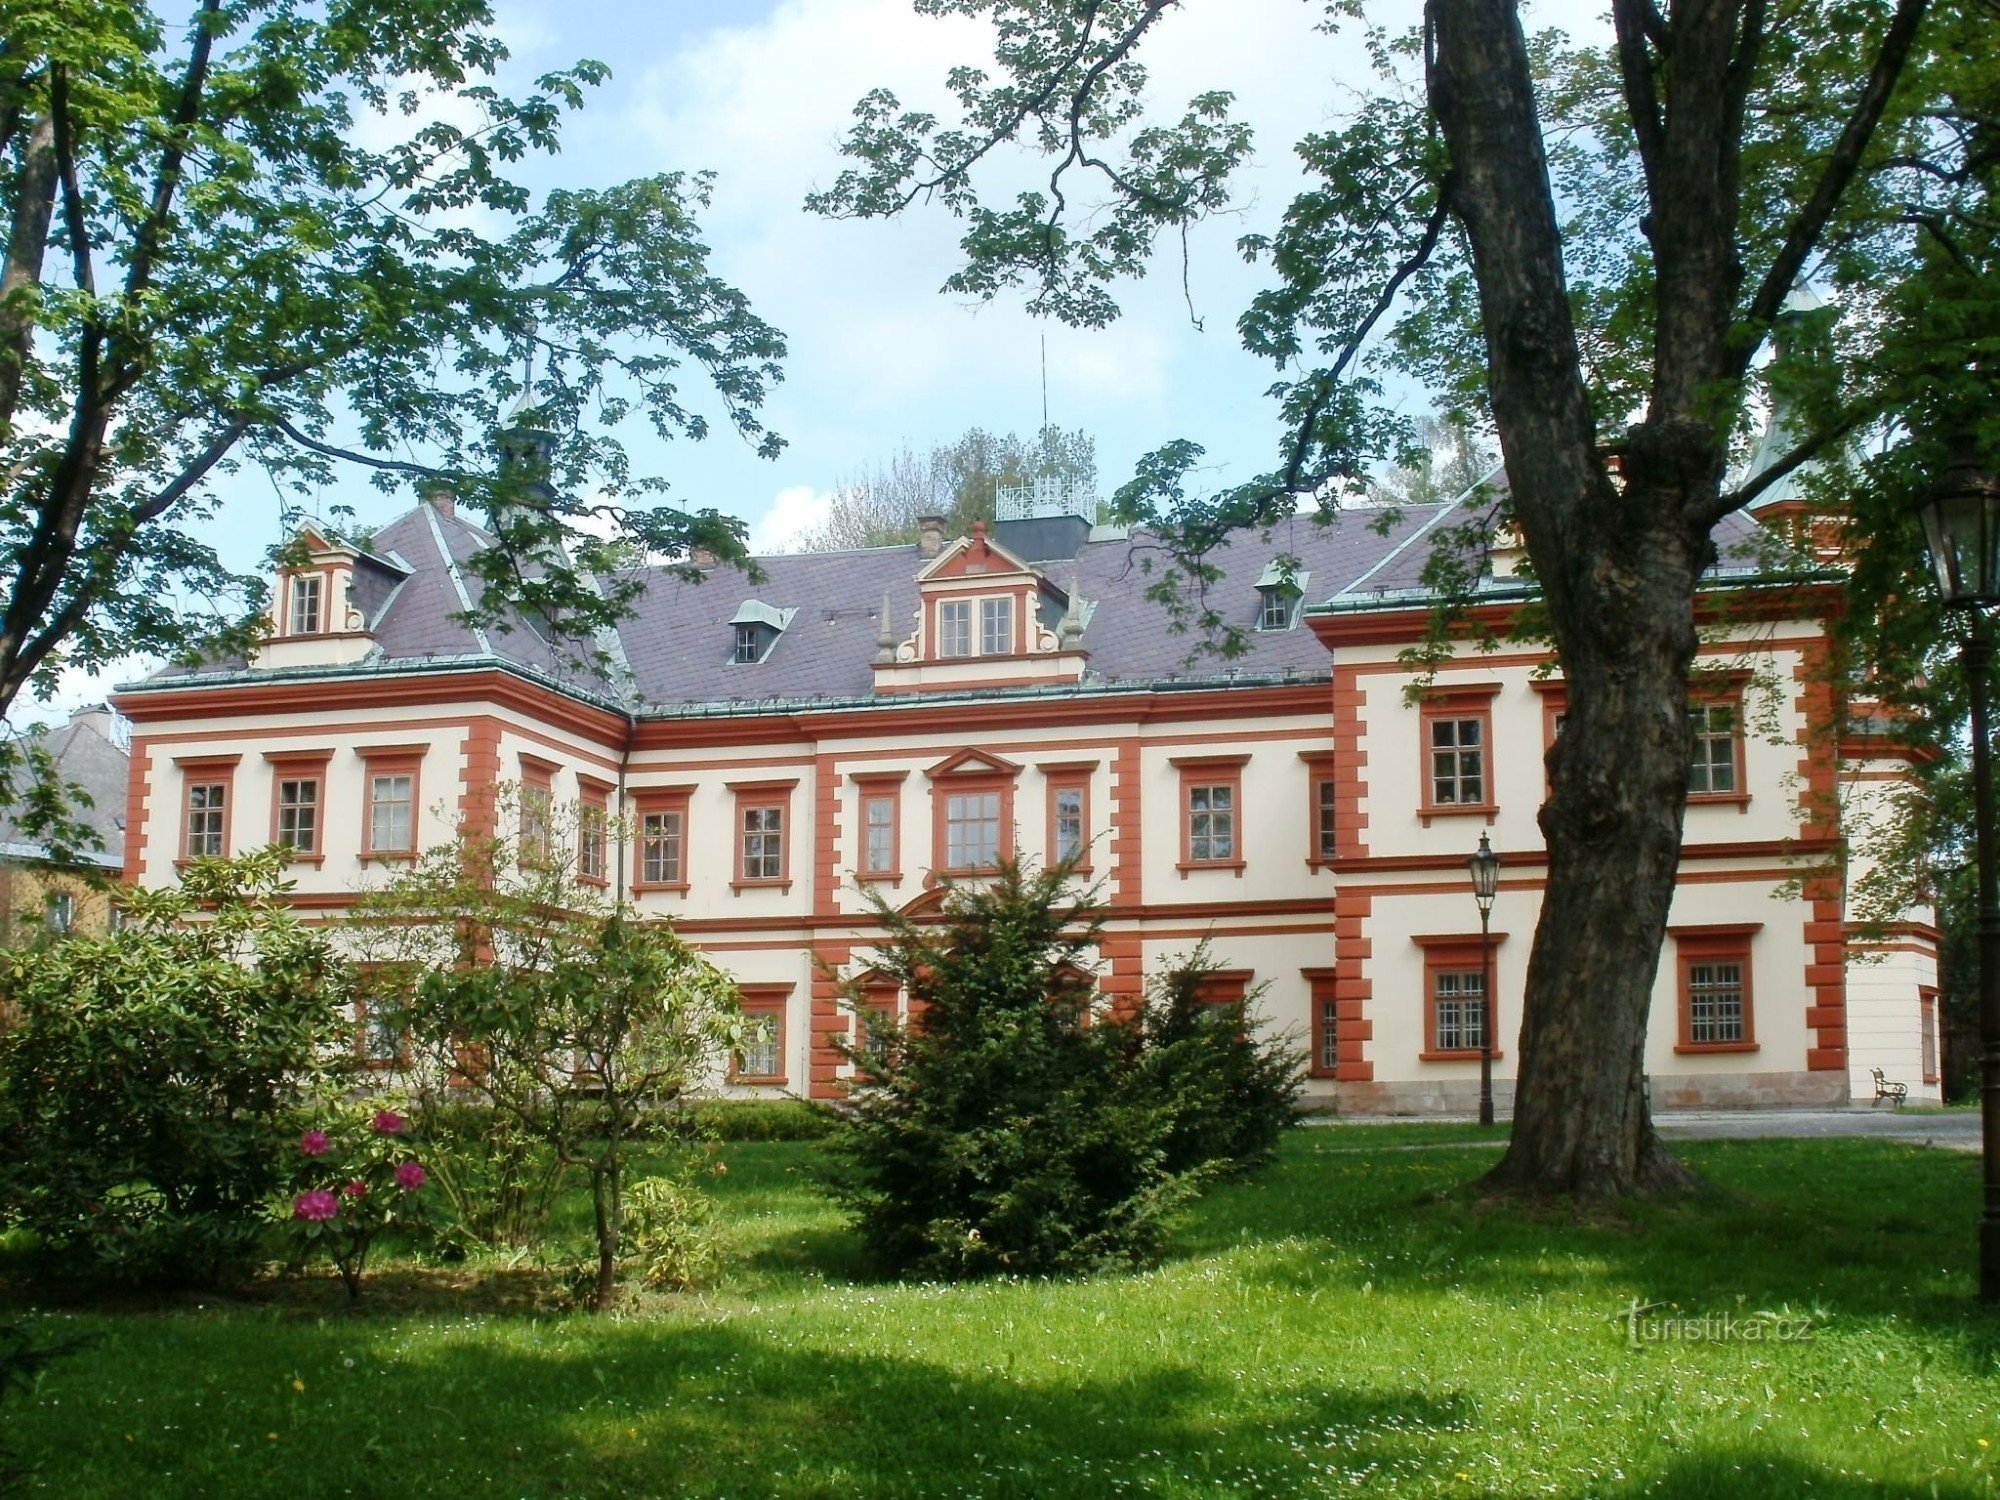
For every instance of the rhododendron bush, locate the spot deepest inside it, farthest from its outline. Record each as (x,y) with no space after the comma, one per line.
(152,1075)
(353,1178)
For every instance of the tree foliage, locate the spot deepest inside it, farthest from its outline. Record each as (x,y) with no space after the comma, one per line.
(151,1077)
(285,234)
(1595,243)
(957,481)
(532,993)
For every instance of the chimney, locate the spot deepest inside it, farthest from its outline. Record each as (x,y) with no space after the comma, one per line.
(701,556)
(100,718)
(930,535)
(440,497)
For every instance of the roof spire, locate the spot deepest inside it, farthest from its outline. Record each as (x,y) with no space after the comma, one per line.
(885,639)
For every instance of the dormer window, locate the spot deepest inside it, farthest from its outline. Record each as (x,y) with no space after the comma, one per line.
(1278,594)
(306,604)
(955,627)
(757,628)
(996,627)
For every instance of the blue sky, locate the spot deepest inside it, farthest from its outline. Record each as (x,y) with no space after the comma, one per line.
(760,92)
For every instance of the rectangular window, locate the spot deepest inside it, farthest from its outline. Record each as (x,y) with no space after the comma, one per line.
(748,647)
(306,604)
(1459,1000)
(972,830)
(592,821)
(1715,1006)
(1458,762)
(298,814)
(1276,612)
(1323,1061)
(763,843)
(996,627)
(954,617)
(378,1042)
(60,912)
(1713,771)
(1070,837)
(761,1057)
(207,805)
(660,836)
(879,813)
(1927,1022)
(1326,826)
(1715,1002)
(1211,810)
(537,823)
(391,812)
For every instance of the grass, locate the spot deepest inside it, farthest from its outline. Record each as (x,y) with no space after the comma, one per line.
(1340,1325)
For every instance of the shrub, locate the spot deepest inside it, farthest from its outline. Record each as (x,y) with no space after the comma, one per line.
(762,1119)
(1232,1089)
(354,1177)
(1002,1134)
(669,1230)
(149,1084)
(495,1179)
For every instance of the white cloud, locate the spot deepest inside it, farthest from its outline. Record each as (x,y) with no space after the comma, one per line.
(792,512)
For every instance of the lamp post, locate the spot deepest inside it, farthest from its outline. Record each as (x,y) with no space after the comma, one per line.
(1485,867)
(1961,516)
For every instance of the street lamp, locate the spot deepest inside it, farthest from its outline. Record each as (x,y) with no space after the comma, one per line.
(1961,516)
(1485,867)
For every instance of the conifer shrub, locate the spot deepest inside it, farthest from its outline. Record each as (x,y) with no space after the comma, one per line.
(1014,1126)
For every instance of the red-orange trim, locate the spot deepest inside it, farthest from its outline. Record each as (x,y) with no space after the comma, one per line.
(1458,702)
(391,760)
(1323,1027)
(208,770)
(766,1000)
(1069,779)
(763,796)
(1211,772)
(648,800)
(1458,953)
(1727,942)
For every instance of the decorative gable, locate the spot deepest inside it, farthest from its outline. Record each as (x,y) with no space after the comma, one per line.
(315,618)
(985,618)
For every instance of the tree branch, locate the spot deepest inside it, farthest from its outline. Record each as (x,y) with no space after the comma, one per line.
(1768,476)
(1642,99)
(1840,169)
(72,190)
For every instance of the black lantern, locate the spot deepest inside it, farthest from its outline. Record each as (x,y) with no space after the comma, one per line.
(1485,867)
(1961,516)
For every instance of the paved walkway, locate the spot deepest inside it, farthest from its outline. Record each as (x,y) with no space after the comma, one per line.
(1956,1129)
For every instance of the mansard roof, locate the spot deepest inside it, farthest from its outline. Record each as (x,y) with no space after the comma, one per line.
(672,654)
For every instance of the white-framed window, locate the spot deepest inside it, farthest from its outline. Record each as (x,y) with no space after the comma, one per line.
(749,645)
(60,912)
(306,601)
(298,814)
(954,618)
(996,627)
(391,804)
(1277,609)
(758,1057)
(879,858)
(592,822)
(206,802)
(972,830)
(1713,771)
(1458,998)
(764,843)
(660,847)
(1458,762)
(1211,812)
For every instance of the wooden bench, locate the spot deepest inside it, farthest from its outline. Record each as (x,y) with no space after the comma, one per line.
(1895,1093)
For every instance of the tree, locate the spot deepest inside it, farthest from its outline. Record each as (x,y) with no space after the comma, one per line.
(880,506)
(206,267)
(1597,245)
(565,1013)
(1446,458)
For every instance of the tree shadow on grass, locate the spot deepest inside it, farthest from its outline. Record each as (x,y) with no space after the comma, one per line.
(1861,1231)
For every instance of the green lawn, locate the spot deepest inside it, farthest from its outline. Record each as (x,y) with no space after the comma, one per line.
(1329,1328)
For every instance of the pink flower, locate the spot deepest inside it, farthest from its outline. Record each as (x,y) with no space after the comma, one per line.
(410,1176)
(388,1122)
(316,1207)
(313,1143)
(356,1189)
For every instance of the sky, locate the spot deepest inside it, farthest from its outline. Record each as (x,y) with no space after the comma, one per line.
(760,92)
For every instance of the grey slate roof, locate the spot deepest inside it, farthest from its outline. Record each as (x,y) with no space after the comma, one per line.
(85,756)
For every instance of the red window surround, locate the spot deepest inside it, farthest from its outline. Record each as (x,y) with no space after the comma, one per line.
(210,781)
(970,773)
(755,827)
(874,790)
(1322,808)
(1722,688)
(593,830)
(1324,1059)
(1457,954)
(665,867)
(307,767)
(1071,778)
(1927,1026)
(381,762)
(1461,715)
(765,1003)
(1212,786)
(1712,985)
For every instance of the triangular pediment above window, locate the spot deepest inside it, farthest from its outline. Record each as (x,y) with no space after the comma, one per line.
(972,763)
(975,556)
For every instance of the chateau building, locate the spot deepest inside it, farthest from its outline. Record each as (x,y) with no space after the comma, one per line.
(883,719)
